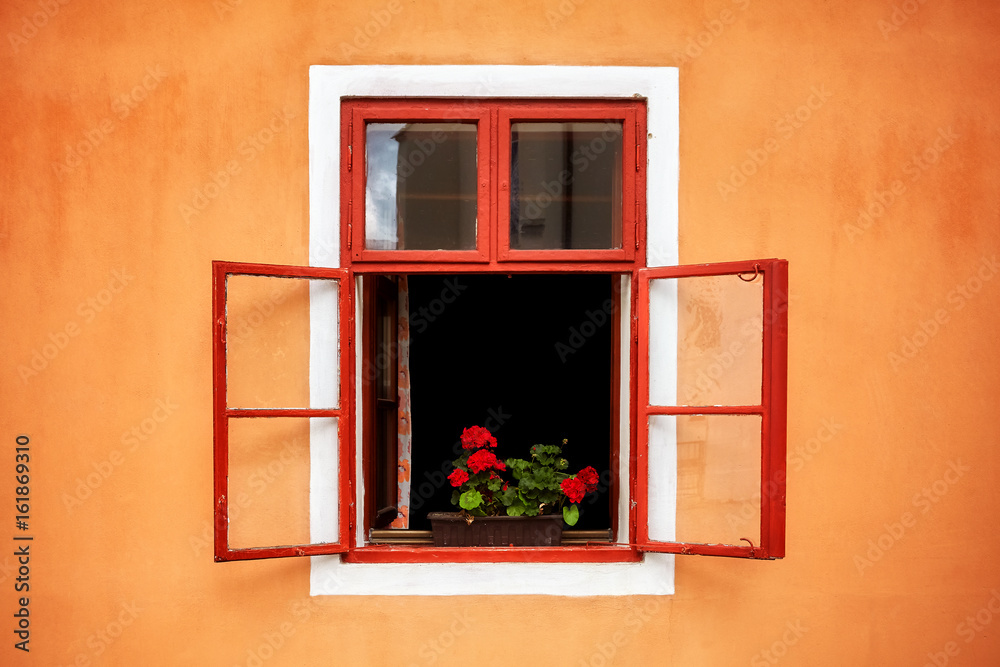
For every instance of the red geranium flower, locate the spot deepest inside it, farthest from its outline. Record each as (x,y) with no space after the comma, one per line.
(574,489)
(458,477)
(475,437)
(589,478)
(484,459)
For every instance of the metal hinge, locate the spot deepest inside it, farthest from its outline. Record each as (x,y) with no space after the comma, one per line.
(350,227)
(635,228)
(638,141)
(222,329)
(350,146)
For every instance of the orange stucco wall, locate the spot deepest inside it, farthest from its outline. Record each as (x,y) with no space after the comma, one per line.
(826,108)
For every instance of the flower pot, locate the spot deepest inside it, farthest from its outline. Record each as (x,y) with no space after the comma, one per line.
(451,530)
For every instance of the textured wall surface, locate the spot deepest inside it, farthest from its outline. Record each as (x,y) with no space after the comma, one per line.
(142,140)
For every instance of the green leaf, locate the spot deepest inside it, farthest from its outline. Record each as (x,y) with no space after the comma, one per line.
(515,510)
(470,500)
(571,514)
(508,497)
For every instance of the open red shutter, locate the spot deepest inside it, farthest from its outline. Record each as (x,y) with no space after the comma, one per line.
(712,367)
(281,354)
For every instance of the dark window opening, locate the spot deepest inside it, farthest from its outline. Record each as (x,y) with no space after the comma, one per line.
(529,356)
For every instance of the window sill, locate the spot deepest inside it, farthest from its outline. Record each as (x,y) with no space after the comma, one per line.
(397,536)
(590,553)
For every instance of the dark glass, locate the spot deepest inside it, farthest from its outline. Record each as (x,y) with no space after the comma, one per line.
(420,192)
(566,185)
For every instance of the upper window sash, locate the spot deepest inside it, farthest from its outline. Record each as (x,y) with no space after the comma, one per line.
(551,181)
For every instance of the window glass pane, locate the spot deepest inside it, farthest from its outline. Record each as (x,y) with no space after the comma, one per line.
(269,361)
(566,185)
(716,493)
(421,191)
(269,480)
(714,354)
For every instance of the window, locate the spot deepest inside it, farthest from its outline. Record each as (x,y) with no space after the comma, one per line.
(552,193)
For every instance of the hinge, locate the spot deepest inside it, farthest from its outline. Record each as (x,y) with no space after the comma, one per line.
(350,146)
(638,141)
(350,227)
(635,227)
(222,329)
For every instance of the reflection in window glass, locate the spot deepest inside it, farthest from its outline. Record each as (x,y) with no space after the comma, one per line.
(420,192)
(566,185)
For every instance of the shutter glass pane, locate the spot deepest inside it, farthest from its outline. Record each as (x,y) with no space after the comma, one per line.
(269,480)
(274,348)
(714,355)
(716,493)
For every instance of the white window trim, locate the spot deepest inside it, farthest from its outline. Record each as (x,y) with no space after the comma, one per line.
(654,575)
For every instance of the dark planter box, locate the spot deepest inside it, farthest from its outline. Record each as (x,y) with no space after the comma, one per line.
(451,530)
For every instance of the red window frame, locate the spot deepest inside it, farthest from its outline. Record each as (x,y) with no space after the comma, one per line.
(772,408)
(355,118)
(633,126)
(596,552)
(222,413)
